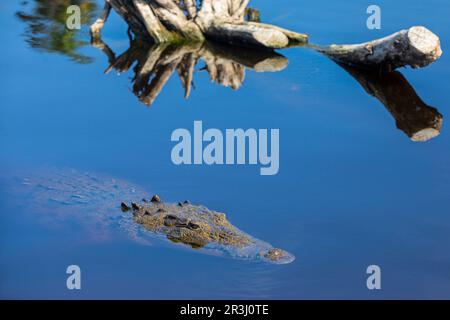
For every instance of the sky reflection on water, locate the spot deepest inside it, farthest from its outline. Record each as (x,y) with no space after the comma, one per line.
(353,188)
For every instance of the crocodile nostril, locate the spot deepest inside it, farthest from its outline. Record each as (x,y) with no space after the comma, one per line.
(170,221)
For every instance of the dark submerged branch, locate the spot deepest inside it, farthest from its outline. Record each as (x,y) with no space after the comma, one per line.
(155,64)
(414,117)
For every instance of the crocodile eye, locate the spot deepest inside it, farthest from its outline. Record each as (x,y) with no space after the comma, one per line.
(193,226)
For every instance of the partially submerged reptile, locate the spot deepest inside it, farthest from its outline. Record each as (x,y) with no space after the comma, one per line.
(95,199)
(199,227)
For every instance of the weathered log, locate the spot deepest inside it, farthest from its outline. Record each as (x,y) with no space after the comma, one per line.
(246,34)
(174,21)
(416,47)
(415,118)
(152,24)
(173,17)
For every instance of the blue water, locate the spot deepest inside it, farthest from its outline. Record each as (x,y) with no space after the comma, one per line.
(352,191)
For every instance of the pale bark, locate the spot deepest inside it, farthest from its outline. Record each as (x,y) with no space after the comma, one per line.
(191,8)
(239,11)
(174,19)
(416,47)
(246,34)
(152,24)
(221,20)
(132,16)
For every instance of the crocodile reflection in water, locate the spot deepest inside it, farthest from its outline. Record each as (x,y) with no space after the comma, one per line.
(93,201)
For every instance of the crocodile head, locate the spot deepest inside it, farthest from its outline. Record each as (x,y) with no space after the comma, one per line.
(199,227)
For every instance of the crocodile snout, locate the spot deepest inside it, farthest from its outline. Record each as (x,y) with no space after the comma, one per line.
(277,256)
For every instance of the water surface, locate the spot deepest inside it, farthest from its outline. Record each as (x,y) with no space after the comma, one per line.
(353,188)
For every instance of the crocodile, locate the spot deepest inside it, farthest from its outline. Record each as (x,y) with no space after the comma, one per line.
(102,200)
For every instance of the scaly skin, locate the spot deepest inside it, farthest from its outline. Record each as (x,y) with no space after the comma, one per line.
(199,227)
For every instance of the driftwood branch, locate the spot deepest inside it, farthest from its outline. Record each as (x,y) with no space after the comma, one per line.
(416,47)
